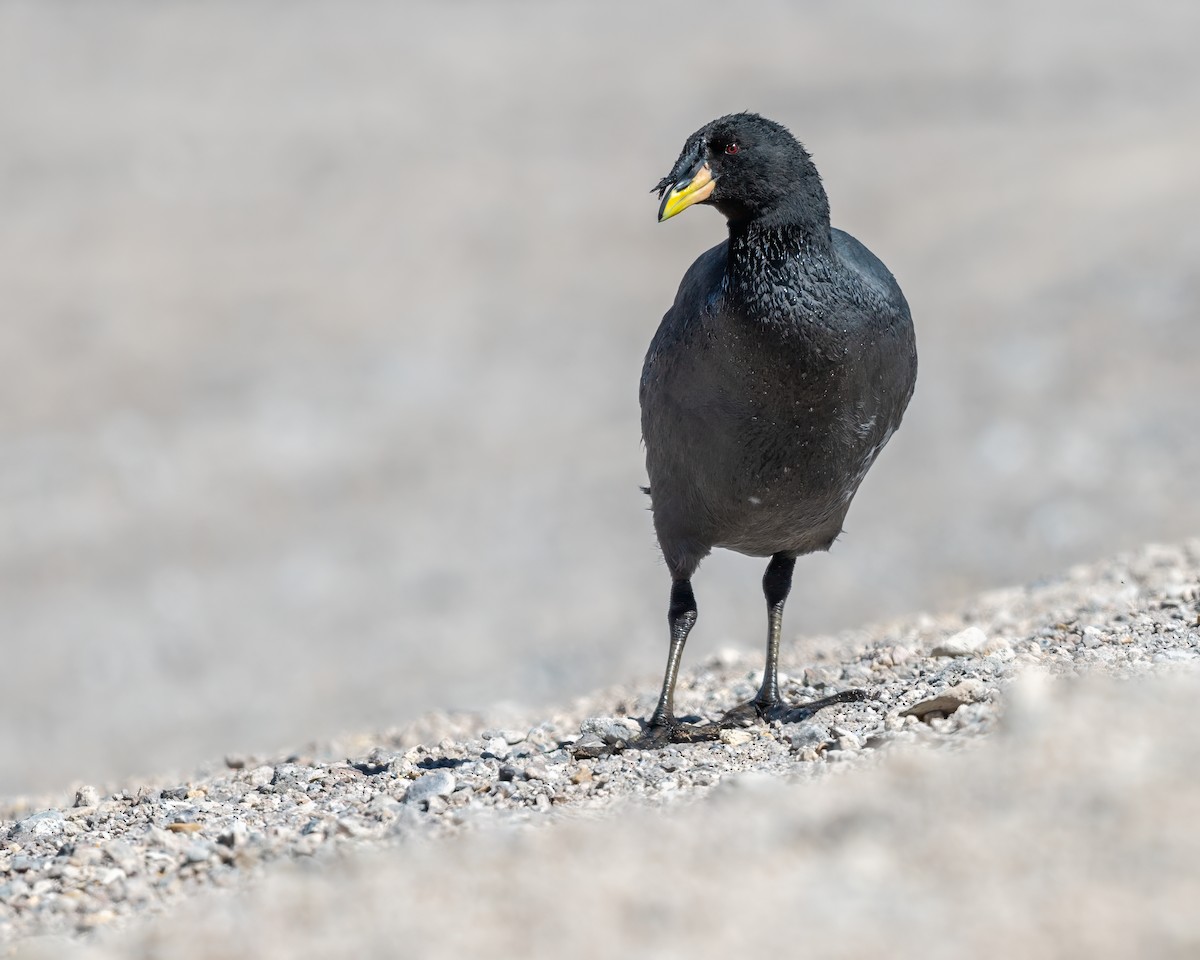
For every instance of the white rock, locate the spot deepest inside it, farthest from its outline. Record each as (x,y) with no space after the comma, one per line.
(948,700)
(611,729)
(965,643)
(39,826)
(87,796)
(261,776)
(498,747)
(439,783)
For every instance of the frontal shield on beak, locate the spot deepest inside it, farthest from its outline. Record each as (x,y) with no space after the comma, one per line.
(686,192)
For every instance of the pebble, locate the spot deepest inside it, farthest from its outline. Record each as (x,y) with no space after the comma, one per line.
(808,735)
(947,701)
(1175,656)
(39,826)
(589,747)
(612,730)
(439,783)
(235,835)
(121,854)
(498,747)
(261,776)
(86,796)
(901,655)
(965,643)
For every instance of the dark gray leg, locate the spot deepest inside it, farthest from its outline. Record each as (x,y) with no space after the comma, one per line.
(767,704)
(682,617)
(777,584)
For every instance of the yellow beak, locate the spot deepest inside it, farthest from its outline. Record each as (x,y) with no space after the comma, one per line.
(681,197)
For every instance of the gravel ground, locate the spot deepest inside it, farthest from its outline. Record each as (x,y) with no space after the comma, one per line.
(981,800)
(322,330)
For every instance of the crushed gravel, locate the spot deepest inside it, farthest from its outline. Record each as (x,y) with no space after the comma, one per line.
(107,860)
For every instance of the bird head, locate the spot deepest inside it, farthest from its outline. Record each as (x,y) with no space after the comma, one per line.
(749,168)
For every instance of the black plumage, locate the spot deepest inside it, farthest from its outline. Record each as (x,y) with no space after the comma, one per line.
(781,370)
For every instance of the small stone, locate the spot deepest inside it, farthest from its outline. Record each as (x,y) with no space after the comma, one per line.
(385,807)
(261,776)
(197,853)
(613,731)
(498,747)
(508,772)
(45,825)
(582,775)
(1174,656)
(589,747)
(1001,646)
(351,828)
(235,836)
(184,826)
(965,643)
(87,796)
(110,876)
(735,737)
(537,771)
(949,700)
(809,735)
(87,856)
(22,864)
(121,853)
(438,783)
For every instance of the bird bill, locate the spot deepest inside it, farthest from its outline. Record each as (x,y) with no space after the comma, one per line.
(684,194)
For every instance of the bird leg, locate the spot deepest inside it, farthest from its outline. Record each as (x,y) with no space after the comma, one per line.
(768,704)
(777,584)
(664,727)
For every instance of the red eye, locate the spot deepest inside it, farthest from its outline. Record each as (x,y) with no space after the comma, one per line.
(732,149)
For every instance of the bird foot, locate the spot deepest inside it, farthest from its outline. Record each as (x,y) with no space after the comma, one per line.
(754,711)
(750,712)
(657,734)
(662,733)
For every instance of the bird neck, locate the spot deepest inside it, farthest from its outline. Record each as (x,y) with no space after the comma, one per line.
(767,260)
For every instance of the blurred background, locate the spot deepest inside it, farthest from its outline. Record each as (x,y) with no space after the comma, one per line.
(322,327)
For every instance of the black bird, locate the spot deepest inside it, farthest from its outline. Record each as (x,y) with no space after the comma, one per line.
(779,373)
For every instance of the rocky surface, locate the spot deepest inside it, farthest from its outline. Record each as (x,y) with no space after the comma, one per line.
(853,828)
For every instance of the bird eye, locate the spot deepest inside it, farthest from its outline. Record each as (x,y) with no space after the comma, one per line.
(732,148)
